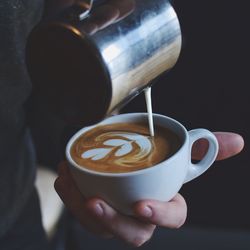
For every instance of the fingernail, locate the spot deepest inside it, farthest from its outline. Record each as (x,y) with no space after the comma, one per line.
(146,212)
(98,210)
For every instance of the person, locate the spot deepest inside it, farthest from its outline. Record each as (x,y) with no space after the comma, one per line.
(20,218)
(99,218)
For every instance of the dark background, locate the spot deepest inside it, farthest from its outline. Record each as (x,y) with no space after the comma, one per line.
(207,88)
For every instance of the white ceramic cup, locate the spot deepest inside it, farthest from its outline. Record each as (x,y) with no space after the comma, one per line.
(160,182)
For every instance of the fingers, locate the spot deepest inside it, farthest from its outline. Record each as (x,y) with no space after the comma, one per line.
(105,15)
(230,144)
(75,202)
(97,216)
(124,7)
(166,214)
(128,229)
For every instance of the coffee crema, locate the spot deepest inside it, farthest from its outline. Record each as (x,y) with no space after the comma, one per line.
(123,147)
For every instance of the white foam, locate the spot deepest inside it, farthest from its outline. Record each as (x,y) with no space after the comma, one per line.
(115,142)
(125,149)
(120,147)
(96,153)
(142,141)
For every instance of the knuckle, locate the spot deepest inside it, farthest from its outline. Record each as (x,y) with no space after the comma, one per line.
(182,219)
(180,198)
(142,238)
(181,223)
(182,212)
(138,241)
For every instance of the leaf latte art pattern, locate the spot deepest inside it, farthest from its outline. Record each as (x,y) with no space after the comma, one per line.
(121,148)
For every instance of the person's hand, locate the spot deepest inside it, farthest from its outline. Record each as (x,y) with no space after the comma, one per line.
(230,144)
(98,217)
(101,219)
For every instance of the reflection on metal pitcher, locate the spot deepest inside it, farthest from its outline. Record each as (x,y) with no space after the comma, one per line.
(93,57)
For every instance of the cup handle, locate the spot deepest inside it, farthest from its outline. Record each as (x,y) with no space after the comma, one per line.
(195,170)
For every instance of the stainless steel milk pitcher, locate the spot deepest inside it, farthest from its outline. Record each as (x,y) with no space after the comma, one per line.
(93,57)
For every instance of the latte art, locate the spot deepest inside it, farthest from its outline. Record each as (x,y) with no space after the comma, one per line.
(123,147)
(120,148)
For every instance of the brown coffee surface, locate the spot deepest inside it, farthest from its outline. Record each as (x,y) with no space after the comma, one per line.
(123,147)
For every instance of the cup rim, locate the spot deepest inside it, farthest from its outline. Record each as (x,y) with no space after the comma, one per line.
(132,173)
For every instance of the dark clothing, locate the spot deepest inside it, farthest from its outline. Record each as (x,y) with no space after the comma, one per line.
(27,232)
(17,157)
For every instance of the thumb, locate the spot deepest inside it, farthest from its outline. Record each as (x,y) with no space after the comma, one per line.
(230,144)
